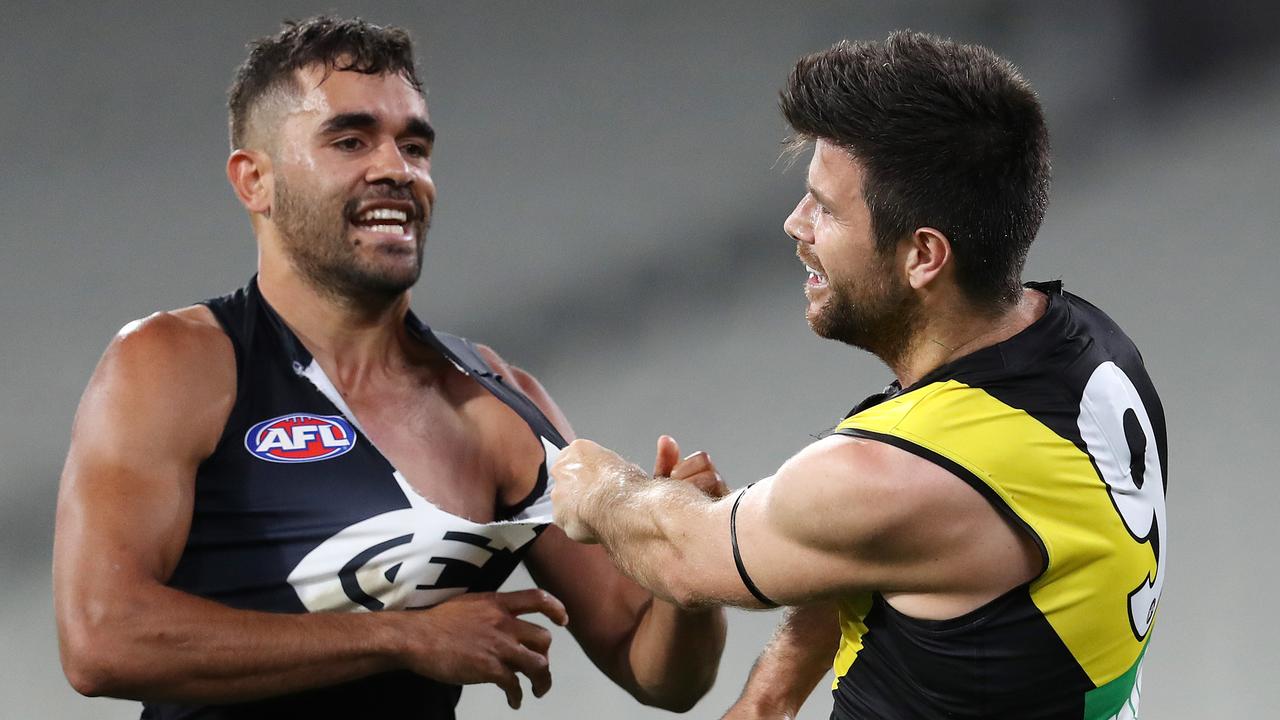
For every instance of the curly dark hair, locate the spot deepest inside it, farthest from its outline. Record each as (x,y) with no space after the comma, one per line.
(336,44)
(950,136)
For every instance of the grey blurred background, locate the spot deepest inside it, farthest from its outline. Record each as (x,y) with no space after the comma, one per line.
(609,218)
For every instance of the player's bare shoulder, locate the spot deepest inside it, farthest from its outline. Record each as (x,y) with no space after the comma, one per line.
(173,366)
(874,493)
(186,341)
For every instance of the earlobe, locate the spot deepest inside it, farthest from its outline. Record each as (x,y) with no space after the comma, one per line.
(929,254)
(249,173)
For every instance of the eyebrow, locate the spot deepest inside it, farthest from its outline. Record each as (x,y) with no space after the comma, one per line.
(818,195)
(419,127)
(415,127)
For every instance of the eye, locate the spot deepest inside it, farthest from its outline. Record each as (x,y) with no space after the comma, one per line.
(416,150)
(348,144)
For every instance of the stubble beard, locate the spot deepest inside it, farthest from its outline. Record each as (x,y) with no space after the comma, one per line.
(882,318)
(316,235)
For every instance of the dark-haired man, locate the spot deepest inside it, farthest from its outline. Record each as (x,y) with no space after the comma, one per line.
(298,500)
(985,538)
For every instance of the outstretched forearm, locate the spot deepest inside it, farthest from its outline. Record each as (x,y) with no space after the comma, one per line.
(160,644)
(157,643)
(662,533)
(795,660)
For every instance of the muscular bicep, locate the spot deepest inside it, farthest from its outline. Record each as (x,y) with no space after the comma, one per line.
(152,411)
(848,515)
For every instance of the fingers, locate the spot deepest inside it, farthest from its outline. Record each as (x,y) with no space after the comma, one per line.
(510,684)
(668,456)
(692,465)
(699,471)
(534,637)
(532,664)
(522,602)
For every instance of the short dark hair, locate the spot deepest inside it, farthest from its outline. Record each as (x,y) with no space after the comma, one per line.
(950,136)
(337,44)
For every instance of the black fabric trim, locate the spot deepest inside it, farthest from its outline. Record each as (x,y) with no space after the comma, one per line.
(959,471)
(461,351)
(539,488)
(737,556)
(293,347)
(226,320)
(1024,348)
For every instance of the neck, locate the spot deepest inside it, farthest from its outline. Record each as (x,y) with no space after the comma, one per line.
(351,338)
(950,334)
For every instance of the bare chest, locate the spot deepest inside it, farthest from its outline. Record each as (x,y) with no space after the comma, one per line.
(457,453)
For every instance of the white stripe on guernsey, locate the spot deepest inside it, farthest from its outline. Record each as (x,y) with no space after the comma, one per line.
(315,374)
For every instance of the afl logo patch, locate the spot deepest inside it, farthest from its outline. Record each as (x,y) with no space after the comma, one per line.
(300,438)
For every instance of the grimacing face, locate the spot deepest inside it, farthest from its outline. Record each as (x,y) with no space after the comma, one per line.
(855,294)
(353,193)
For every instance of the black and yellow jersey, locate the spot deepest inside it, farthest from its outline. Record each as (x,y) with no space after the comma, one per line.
(1060,428)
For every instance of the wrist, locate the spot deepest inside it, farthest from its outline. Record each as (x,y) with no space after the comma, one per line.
(600,496)
(767,706)
(389,638)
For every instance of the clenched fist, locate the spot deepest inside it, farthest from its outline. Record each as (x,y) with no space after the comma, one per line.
(579,473)
(591,479)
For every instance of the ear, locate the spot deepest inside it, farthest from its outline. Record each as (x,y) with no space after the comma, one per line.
(928,254)
(249,172)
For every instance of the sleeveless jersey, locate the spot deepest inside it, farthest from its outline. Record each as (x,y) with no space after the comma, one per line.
(296,511)
(1060,428)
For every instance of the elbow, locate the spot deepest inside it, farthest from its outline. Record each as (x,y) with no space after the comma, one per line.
(681,702)
(683,697)
(690,665)
(88,670)
(88,680)
(92,655)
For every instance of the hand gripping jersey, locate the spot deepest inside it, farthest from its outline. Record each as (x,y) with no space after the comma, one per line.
(1059,428)
(296,511)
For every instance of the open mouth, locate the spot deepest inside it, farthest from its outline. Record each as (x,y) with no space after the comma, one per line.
(816,278)
(386,220)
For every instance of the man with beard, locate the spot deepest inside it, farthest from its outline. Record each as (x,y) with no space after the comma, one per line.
(242,468)
(985,538)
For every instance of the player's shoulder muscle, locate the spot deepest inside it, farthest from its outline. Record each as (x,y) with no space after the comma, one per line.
(167,371)
(851,494)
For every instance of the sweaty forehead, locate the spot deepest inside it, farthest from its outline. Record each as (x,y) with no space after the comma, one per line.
(387,96)
(834,173)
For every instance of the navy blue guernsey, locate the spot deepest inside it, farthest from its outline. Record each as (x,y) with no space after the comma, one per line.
(296,511)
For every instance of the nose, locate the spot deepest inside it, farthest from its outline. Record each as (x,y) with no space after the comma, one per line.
(799,224)
(389,165)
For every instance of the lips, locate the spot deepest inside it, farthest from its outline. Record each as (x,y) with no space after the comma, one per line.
(816,276)
(390,217)
(385,220)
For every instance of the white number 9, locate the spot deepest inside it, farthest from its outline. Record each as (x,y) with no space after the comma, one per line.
(1117,432)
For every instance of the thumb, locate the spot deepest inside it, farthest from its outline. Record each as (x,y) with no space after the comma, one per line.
(668,456)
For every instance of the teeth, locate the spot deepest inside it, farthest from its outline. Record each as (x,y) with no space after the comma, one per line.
(813,272)
(384,214)
(396,229)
